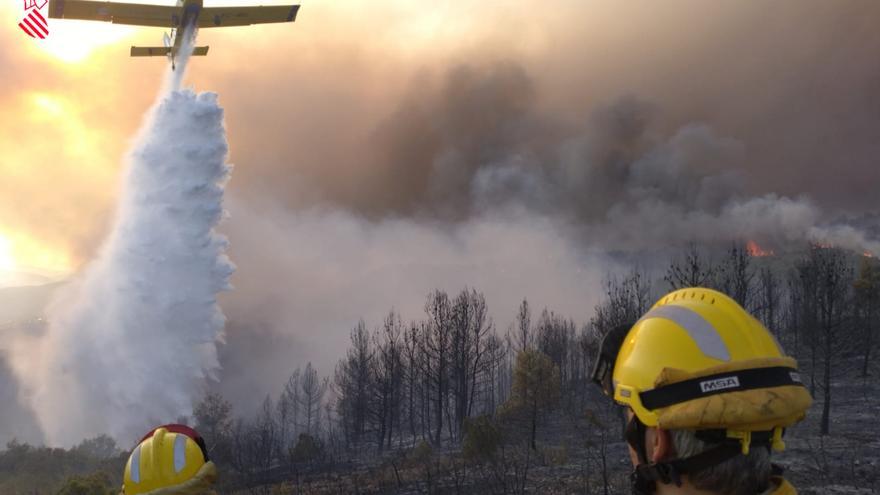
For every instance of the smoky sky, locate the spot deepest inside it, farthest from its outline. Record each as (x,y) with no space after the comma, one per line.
(792,85)
(367,174)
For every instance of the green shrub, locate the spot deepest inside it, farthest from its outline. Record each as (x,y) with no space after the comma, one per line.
(93,484)
(421,453)
(482,438)
(307,449)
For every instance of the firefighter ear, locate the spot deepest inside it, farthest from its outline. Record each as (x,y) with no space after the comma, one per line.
(661,444)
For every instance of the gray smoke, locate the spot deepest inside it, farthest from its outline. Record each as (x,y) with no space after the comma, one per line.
(468,153)
(322,270)
(793,83)
(457,172)
(18,420)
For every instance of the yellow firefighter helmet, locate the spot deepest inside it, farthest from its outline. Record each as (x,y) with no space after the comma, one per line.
(170,460)
(697,360)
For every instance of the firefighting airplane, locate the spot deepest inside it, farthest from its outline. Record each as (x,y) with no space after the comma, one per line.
(186,16)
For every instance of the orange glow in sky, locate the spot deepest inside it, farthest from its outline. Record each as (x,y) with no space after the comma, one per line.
(7,259)
(52,162)
(73,102)
(18,252)
(73,41)
(68,41)
(64,132)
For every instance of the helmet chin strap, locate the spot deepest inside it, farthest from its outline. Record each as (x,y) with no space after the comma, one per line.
(635,437)
(644,477)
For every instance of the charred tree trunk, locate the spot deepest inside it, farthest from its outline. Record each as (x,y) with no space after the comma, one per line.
(826,405)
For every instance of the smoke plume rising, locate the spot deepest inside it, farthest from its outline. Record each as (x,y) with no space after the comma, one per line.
(133,338)
(461,157)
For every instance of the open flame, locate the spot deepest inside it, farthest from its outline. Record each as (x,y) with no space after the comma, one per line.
(868,254)
(757,251)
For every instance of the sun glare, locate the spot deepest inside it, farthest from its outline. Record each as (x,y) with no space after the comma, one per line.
(21,252)
(7,262)
(49,106)
(61,123)
(72,41)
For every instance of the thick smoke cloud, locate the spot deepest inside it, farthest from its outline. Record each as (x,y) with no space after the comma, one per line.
(371,122)
(474,173)
(640,135)
(631,129)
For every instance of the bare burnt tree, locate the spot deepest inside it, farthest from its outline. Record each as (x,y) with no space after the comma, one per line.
(598,431)
(332,438)
(626,301)
(213,419)
(691,269)
(827,277)
(471,326)
(498,376)
(242,454)
(867,306)
(735,275)
(264,436)
(387,376)
(804,295)
(422,381)
(523,330)
(312,390)
(427,382)
(767,300)
(288,413)
(836,275)
(798,317)
(437,349)
(555,336)
(413,382)
(558,338)
(352,384)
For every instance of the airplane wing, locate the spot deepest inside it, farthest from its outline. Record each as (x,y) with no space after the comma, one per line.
(243,16)
(115,12)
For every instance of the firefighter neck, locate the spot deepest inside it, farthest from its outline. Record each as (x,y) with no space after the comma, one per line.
(659,448)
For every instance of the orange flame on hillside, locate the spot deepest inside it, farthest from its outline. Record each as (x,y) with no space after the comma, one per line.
(868,254)
(757,251)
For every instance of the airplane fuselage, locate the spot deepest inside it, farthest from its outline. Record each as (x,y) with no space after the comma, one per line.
(191,10)
(186,21)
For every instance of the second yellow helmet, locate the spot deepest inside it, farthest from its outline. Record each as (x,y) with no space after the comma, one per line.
(171,459)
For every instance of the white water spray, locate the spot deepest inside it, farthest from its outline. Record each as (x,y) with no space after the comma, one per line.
(131,342)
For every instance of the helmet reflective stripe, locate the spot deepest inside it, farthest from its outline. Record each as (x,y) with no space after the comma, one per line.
(179,452)
(135,468)
(701,331)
